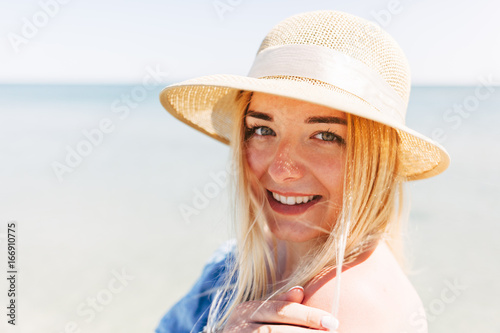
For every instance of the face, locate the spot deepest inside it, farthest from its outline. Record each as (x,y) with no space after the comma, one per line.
(295,152)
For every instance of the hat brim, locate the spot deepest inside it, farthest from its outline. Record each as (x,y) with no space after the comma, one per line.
(203,103)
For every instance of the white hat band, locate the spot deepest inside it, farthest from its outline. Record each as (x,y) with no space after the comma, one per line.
(332,67)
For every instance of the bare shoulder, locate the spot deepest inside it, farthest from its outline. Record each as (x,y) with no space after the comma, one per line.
(376,296)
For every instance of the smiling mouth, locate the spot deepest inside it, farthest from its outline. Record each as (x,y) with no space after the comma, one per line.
(291,205)
(293,200)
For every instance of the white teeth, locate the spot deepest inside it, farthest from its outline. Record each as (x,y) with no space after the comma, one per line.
(292,200)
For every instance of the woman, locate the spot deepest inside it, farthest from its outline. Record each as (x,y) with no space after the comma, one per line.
(320,151)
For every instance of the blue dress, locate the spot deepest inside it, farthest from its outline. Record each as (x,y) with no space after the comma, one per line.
(190,314)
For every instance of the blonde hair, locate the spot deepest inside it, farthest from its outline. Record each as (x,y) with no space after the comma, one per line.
(371,211)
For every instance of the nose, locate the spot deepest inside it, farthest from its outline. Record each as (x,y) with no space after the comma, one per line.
(285,166)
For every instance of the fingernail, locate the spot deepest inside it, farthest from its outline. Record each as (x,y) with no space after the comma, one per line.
(329,322)
(296,287)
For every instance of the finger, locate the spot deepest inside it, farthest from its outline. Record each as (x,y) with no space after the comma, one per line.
(293,314)
(294,294)
(279,329)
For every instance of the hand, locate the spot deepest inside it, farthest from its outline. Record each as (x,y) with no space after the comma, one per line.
(283,313)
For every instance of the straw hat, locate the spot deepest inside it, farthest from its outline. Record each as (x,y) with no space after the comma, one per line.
(328,58)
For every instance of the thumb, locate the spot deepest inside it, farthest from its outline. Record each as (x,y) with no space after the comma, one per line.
(294,294)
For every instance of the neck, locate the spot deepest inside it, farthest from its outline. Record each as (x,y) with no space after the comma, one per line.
(291,255)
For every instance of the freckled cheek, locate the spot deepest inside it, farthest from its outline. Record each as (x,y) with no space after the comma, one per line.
(257,161)
(330,172)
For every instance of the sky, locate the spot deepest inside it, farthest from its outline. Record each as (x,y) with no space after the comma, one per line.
(115,42)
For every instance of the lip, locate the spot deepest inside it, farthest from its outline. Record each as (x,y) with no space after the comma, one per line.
(291,194)
(278,207)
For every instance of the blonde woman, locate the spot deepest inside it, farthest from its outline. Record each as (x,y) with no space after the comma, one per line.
(320,153)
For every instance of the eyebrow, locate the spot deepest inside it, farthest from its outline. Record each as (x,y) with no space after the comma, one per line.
(310,120)
(326,120)
(259,115)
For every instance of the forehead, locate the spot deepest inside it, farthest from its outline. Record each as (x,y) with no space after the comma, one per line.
(283,105)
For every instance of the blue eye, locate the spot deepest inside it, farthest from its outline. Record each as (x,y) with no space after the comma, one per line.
(260,131)
(264,130)
(329,137)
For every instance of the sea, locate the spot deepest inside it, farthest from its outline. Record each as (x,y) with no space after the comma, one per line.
(116,206)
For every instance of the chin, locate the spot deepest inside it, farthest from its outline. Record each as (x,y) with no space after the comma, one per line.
(293,231)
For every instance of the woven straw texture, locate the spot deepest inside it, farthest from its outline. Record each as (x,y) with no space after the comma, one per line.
(205,103)
(350,35)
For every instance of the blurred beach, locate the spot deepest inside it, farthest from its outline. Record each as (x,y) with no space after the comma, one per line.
(113,228)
